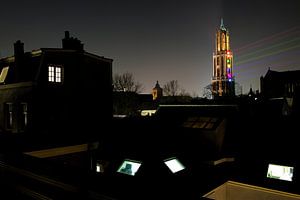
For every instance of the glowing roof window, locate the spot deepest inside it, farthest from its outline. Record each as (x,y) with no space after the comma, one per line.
(174,165)
(280,172)
(129,167)
(148,112)
(3,74)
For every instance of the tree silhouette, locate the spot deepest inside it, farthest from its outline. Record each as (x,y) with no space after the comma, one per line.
(125,82)
(171,88)
(207,91)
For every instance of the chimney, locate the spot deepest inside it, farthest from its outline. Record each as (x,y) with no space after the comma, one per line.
(19,49)
(67,34)
(19,60)
(71,43)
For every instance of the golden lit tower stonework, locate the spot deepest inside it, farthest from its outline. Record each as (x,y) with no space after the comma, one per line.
(157,92)
(222,79)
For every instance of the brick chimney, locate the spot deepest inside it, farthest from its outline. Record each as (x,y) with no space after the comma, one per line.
(19,60)
(71,43)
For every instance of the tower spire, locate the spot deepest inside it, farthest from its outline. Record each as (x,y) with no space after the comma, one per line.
(223,79)
(222,27)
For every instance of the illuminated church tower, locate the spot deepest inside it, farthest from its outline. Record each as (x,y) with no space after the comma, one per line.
(222,79)
(157,92)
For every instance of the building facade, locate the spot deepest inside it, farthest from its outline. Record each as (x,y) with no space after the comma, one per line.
(222,79)
(55,90)
(280,84)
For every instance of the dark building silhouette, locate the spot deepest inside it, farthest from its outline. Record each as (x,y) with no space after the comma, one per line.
(223,79)
(125,103)
(55,90)
(280,84)
(131,104)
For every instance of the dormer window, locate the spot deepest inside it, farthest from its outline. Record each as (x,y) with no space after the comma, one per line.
(55,74)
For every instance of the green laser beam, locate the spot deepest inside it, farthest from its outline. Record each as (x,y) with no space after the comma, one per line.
(277,36)
(270,47)
(266,55)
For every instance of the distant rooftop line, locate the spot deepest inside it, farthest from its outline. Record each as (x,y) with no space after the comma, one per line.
(38,52)
(194,105)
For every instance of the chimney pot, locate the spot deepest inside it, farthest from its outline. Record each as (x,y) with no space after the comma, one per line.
(67,34)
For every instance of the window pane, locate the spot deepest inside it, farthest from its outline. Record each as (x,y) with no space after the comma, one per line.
(58,74)
(51,74)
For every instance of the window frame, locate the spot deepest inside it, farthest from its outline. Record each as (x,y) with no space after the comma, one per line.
(24,115)
(55,74)
(8,115)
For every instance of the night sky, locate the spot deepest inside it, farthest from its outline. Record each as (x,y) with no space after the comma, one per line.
(163,39)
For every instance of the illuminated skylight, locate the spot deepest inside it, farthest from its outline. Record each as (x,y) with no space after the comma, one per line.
(280,172)
(129,167)
(174,165)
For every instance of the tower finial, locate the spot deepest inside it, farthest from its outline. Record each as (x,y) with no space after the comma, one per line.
(157,84)
(222,27)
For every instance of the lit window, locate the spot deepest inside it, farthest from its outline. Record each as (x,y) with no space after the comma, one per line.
(99,168)
(58,74)
(55,74)
(51,74)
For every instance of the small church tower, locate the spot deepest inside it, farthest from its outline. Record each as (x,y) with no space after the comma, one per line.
(157,92)
(222,79)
